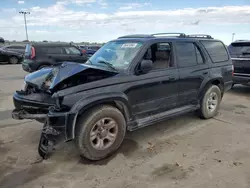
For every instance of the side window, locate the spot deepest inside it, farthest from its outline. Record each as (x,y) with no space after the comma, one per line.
(53,50)
(186,54)
(10,47)
(199,57)
(20,47)
(216,51)
(72,51)
(160,54)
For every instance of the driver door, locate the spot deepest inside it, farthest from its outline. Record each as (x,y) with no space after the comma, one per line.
(156,91)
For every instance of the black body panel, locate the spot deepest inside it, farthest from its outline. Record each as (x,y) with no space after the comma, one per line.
(143,98)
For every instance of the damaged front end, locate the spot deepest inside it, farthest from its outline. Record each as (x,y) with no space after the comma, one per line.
(38,100)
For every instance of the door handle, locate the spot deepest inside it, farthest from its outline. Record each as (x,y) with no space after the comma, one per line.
(205,72)
(171,78)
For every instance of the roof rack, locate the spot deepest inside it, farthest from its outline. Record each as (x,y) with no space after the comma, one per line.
(180,35)
(169,34)
(199,36)
(136,36)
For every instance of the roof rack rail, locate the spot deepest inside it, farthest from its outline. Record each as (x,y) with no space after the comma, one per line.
(171,34)
(199,36)
(136,36)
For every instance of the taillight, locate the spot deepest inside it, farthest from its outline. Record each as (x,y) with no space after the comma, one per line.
(84,51)
(33,53)
(232,70)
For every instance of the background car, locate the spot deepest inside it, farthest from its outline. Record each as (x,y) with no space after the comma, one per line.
(12,53)
(240,54)
(89,50)
(40,55)
(2,40)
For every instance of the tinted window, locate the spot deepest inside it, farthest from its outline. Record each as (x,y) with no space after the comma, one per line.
(186,54)
(9,47)
(216,51)
(52,50)
(199,57)
(19,47)
(239,49)
(72,50)
(15,47)
(93,47)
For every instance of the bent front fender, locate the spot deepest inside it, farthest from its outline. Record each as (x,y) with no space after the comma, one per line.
(86,103)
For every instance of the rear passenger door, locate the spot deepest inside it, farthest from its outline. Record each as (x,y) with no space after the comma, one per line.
(54,54)
(193,69)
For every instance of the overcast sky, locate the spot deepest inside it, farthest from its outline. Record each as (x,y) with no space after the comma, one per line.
(104,20)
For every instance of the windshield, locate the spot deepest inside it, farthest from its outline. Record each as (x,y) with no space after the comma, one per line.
(118,54)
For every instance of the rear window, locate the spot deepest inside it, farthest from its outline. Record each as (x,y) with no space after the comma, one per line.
(239,48)
(216,51)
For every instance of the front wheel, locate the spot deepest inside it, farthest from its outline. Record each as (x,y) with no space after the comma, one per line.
(210,102)
(100,132)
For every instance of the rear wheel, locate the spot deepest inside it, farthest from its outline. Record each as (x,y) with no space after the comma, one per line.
(210,102)
(100,132)
(13,60)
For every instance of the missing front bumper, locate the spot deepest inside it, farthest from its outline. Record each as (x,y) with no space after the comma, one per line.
(22,114)
(49,138)
(58,126)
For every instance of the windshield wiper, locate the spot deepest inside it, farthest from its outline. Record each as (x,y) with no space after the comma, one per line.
(109,64)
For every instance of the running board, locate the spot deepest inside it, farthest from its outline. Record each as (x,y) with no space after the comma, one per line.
(162,116)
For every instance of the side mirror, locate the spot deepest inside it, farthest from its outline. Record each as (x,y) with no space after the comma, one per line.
(146,66)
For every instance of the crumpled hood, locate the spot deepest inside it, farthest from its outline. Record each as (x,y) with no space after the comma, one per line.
(59,73)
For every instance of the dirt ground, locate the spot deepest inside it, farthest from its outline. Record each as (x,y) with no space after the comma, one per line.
(182,152)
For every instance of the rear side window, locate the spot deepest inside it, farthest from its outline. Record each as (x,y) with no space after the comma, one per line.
(188,54)
(52,50)
(72,51)
(216,51)
(18,47)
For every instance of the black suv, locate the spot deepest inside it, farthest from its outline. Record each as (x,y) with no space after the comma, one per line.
(40,55)
(12,54)
(240,54)
(129,83)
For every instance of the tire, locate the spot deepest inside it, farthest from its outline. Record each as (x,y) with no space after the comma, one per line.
(13,60)
(207,109)
(87,124)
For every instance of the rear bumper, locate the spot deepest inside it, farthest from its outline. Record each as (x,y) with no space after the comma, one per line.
(241,80)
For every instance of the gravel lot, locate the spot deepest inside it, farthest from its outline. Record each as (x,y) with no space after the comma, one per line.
(182,152)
